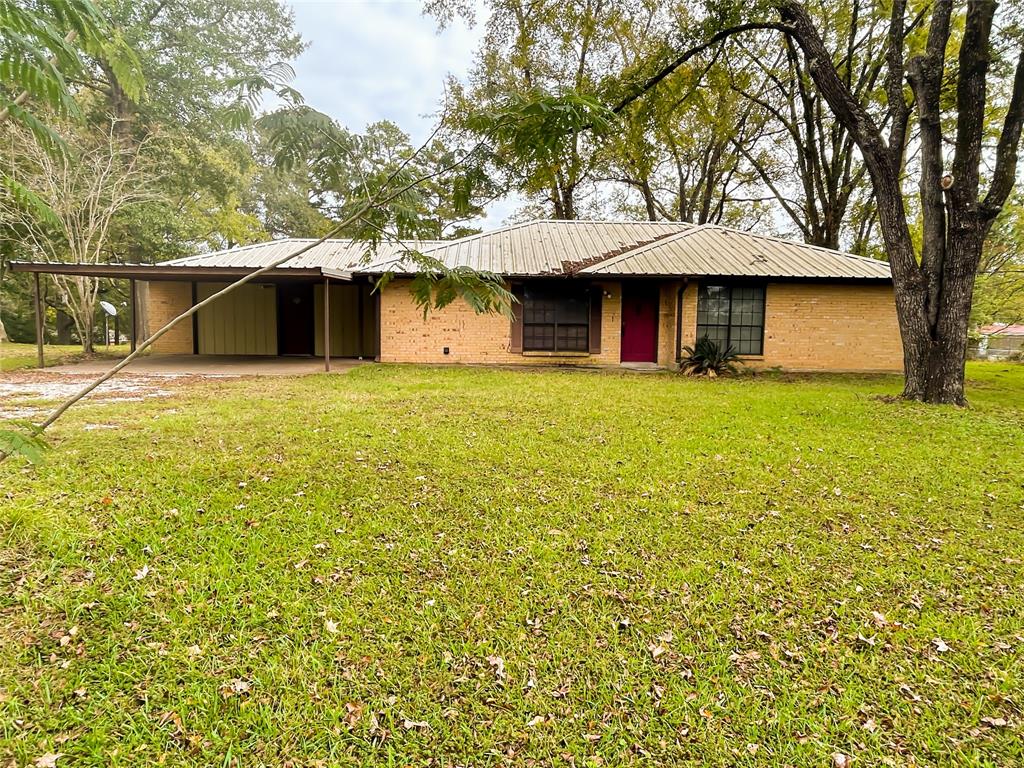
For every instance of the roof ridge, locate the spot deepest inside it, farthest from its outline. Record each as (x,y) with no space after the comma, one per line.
(477,235)
(638,222)
(629,252)
(533,222)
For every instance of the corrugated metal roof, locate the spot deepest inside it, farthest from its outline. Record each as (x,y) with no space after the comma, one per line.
(542,247)
(722,252)
(331,254)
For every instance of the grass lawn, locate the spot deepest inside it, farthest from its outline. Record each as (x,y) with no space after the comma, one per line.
(14,357)
(482,567)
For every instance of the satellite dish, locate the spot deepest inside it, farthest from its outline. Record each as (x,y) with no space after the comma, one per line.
(109,308)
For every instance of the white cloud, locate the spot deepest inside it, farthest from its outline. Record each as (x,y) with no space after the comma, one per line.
(371,60)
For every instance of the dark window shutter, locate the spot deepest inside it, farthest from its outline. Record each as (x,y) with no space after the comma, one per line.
(516,346)
(596,297)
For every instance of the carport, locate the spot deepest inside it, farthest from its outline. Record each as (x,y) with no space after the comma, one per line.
(288,312)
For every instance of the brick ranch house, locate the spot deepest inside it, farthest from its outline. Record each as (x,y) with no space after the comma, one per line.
(589,293)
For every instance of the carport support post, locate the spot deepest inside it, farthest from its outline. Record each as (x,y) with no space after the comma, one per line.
(39,321)
(134,303)
(327,324)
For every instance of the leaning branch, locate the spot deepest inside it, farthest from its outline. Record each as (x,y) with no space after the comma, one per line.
(653,81)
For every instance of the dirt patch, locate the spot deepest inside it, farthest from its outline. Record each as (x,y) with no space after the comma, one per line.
(26,395)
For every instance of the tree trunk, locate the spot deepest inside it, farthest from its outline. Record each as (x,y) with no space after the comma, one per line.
(65,324)
(935,353)
(88,330)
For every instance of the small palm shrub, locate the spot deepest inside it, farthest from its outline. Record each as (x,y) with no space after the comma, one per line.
(707,358)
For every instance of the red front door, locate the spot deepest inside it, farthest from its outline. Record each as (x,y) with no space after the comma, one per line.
(639,323)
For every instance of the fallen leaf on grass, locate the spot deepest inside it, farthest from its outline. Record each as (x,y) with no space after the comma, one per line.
(533,722)
(746,657)
(879,619)
(656,650)
(995,722)
(235,687)
(907,691)
(49,760)
(353,713)
(331,626)
(940,645)
(498,664)
(142,573)
(839,760)
(415,724)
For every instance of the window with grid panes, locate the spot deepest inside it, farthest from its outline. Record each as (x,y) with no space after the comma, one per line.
(732,315)
(556,318)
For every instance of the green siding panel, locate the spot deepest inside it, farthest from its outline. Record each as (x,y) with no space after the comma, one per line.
(345,328)
(242,323)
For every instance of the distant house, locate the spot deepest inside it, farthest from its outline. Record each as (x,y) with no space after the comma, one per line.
(1000,340)
(590,293)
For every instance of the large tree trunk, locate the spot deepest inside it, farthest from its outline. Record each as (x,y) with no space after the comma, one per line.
(949,350)
(934,326)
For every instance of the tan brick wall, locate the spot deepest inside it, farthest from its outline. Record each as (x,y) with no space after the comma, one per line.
(807,327)
(689,325)
(165,301)
(820,327)
(667,323)
(406,337)
(832,327)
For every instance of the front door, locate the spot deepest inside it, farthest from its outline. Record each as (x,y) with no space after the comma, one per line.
(295,319)
(639,323)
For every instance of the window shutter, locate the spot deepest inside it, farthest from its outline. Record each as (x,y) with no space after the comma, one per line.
(516,347)
(596,297)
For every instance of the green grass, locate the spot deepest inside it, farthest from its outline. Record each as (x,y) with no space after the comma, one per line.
(671,572)
(14,357)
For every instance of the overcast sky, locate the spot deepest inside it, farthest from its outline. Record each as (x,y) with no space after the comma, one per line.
(372,60)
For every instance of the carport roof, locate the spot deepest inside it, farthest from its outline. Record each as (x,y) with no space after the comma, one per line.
(336,254)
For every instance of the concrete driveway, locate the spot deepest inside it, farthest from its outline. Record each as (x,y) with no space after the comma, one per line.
(214,365)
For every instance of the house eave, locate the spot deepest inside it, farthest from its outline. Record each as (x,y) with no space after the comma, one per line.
(158,271)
